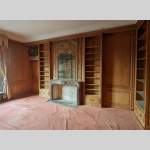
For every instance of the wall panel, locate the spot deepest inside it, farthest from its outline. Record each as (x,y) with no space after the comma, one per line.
(35,76)
(117,69)
(19,70)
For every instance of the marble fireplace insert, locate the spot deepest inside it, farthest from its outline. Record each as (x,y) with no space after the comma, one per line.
(66,92)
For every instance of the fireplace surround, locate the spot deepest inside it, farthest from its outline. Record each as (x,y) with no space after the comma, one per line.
(66,92)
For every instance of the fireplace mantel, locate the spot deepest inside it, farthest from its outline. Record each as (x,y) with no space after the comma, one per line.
(69,91)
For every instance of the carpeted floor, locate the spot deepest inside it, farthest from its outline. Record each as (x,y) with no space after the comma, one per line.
(37,114)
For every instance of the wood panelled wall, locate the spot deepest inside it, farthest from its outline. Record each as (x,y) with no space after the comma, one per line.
(35,76)
(118,69)
(118,46)
(19,71)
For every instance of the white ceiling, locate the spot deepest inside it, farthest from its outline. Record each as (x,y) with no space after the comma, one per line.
(31,30)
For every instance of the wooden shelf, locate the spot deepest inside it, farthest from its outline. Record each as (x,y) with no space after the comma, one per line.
(93,90)
(92,84)
(92,71)
(91,65)
(92,53)
(45,71)
(44,84)
(141,48)
(43,57)
(140,68)
(44,80)
(93,77)
(140,103)
(44,65)
(93,46)
(140,80)
(44,75)
(141,93)
(143,58)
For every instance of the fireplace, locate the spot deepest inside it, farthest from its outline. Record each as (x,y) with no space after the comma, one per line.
(67,92)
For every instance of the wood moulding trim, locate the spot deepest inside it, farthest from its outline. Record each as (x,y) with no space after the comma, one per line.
(117,89)
(90,33)
(115,105)
(116,86)
(120,29)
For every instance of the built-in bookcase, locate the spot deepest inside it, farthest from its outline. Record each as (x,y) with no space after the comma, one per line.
(142,74)
(93,59)
(140,65)
(44,69)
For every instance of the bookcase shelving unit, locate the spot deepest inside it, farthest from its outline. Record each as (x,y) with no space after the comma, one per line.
(93,70)
(142,68)
(44,70)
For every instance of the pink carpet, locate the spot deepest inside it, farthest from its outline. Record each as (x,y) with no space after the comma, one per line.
(37,114)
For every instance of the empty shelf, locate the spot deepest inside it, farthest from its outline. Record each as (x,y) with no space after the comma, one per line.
(92,89)
(43,81)
(91,65)
(140,103)
(93,46)
(141,58)
(141,48)
(93,71)
(140,80)
(92,77)
(140,68)
(44,75)
(141,93)
(91,53)
(92,84)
